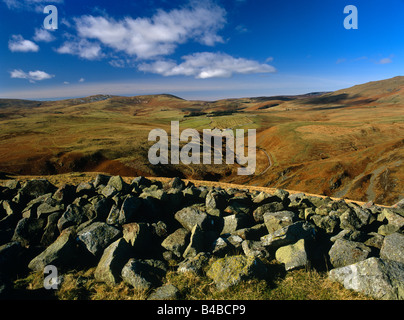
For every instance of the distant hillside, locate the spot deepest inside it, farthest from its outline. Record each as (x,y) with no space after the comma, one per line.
(347,143)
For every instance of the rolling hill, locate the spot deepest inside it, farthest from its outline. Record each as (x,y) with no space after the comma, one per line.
(348,143)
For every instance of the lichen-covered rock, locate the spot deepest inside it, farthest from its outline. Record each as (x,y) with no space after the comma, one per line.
(234,222)
(329,223)
(393,247)
(196,243)
(354,219)
(165,292)
(231,270)
(394,220)
(97,236)
(215,202)
(117,183)
(375,277)
(345,252)
(254,249)
(143,274)
(293,256)
(289,234)
(276,220)
(177,241)
(112,261)
(194,264)
(258,213)
(190,216)
(73,216)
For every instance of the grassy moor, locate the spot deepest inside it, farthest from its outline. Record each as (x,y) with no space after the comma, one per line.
(345,144)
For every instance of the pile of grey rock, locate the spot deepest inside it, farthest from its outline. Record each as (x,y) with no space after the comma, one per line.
(135,232)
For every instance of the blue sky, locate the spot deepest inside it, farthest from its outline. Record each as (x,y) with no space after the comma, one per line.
(196,49)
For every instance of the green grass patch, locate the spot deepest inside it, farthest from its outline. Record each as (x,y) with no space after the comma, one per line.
(295,285)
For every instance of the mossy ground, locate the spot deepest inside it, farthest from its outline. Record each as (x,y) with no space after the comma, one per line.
(294,285)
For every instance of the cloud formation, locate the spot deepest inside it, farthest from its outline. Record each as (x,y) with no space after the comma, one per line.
(203,65)
(31,76)
(82,48)
(43,35)
(385,61)
(18,44)
(147,42)
(148,38)
(30,5)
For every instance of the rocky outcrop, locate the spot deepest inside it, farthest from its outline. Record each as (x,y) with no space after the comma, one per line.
(135,232)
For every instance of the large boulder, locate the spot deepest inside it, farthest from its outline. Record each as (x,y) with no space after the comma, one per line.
(112,261)
(215,202)
(118,183)
(254,248)
(293,256)
(355,218)
(375,277)
(51,231)
(289,235)
(102,208)
(194,264)
(177,241)
(62,253)
(231,270)
(393,247)
(129,210)
(258,213)
(276,220)
(29,231)
(37,187)
(345,252)
(165,292)
(329,223)
(395,221)
(143,274)
(97,236)
(73,216)
(190,216)
(234,222)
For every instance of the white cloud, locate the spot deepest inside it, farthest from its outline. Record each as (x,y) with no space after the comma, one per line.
(18,44)
(43,35)
(385,61)
(203,65)
(29,4)
(241,29)
(82,48)
(146,38)
(32,76)
(82,80)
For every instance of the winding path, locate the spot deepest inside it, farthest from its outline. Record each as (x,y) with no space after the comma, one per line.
(269,161)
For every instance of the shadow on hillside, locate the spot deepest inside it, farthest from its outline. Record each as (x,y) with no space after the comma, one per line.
(345,99)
